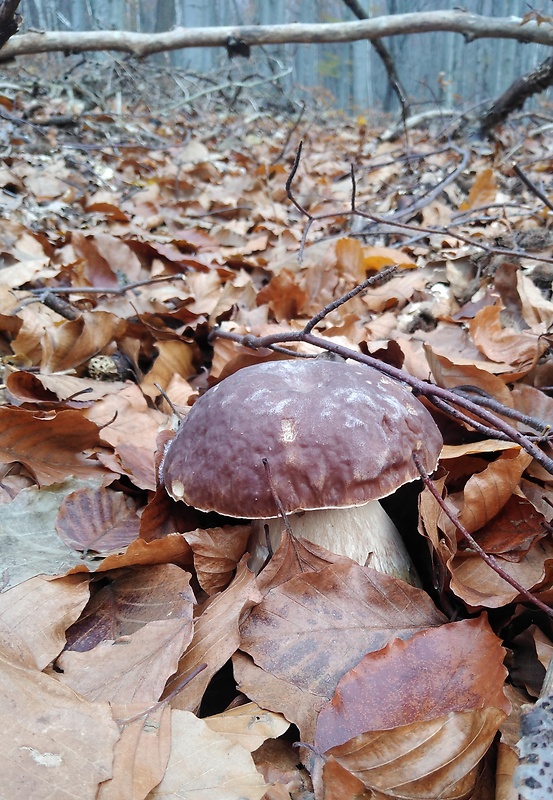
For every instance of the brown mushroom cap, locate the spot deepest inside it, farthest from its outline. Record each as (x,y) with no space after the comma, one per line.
(334,435)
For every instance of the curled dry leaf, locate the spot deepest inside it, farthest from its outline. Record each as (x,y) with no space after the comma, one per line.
(25,387)
(50,446)
(443,761)
(249,725)
(505,345)
(217,551)
(486,492)
(479,585)
(73,342)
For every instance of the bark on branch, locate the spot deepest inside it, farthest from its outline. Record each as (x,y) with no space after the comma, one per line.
(471,26)
(516,95)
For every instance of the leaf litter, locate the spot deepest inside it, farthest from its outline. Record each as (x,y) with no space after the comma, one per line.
(133,623)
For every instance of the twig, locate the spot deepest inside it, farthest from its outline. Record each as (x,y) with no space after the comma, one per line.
(390,223)
(489,559)
(486,400)
(374,280)
(532,186)
(118,290)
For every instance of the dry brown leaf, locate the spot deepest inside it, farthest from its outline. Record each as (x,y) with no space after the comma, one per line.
(277,694)
(133,668)
(513,531)
(204,765)
(97,519)
(502,344)
(349,260)
(40,610)
(133,598)
(404,684)
(486,492)
(217,551)
(216,637)
(71,343)
(483,190)
(141,754)
(51,739)
(283,296)
(448,374)
(291,558)
(249,725)
(174,358)
(436,758)
(98,270)
(50,389)
(379,257)
(126,418)
(479,585)
(50,446)
(312,629)
(171,549)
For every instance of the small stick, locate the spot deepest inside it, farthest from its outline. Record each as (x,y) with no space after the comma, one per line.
(119,290)
(489,559)
(381,277)
(532,186)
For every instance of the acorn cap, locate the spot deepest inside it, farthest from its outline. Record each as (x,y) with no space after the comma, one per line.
(334,435)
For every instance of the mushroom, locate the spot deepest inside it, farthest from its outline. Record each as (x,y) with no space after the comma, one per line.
(337,437)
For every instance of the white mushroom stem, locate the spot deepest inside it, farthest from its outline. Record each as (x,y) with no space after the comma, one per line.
(365,534)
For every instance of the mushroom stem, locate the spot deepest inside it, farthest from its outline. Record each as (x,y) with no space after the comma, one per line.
(365,534)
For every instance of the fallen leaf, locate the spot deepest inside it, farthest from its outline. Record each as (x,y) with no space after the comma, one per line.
(204,764)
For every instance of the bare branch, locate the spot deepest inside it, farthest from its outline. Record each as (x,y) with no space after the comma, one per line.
(471,26)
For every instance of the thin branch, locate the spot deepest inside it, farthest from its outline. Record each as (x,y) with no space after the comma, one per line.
(532,186)
(489,559)
(390,222)
(374,280)
(43,292)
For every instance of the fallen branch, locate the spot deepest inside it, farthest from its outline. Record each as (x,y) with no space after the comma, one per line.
(471,26)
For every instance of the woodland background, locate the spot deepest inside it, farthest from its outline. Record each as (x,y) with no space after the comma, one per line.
(437,69)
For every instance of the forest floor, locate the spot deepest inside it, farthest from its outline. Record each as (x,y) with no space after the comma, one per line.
(131,623)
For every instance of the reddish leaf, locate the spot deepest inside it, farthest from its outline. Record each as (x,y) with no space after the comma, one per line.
(51,447)
(404,683)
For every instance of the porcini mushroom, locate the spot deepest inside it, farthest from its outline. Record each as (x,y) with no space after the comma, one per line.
(337,438)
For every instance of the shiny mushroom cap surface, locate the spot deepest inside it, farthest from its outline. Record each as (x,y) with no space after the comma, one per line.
(334,435)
